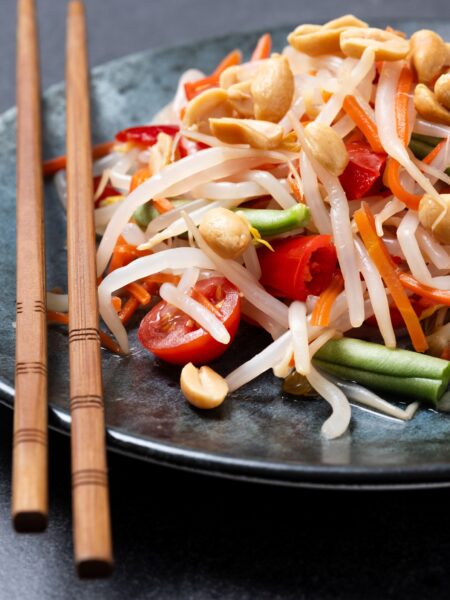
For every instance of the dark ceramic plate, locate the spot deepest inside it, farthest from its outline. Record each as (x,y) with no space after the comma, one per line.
(258,433)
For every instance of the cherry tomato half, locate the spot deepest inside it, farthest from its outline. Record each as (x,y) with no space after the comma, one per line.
(174,337)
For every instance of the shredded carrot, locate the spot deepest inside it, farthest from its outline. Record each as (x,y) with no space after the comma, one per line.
(432,155)
(139,177)
(392,179)
(409,282)
(128,309)
(382,260)
(124,253)
(262,48)
(152,282)
(364,122)
(402,103)
(63,319)
(117,303)
(203,300)
(446,353)
(326,95)
(192,88)
(320,315)
(162,205)
(139,292)
(50,167)
(162,278)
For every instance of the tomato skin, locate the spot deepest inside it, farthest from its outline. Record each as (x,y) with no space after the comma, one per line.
(362,176)
(298,266)
(180,343)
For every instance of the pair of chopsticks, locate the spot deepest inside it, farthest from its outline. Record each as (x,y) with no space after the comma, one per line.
(91,517)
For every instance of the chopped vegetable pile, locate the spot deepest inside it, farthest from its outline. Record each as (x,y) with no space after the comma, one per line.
(305,191)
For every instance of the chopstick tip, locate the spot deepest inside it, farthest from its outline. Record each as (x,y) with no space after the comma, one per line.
(30,521)
(94,569)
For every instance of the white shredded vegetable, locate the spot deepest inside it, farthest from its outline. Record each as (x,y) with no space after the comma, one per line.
(196,311)
(299,329)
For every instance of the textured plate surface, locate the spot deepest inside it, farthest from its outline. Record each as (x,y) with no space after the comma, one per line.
(258,433)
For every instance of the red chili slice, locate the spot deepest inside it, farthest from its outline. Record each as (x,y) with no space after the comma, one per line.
(298,266)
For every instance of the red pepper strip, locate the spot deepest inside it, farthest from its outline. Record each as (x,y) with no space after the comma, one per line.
(107,192)
(392,179)
(298,266)
(410,283)
(364,122)
(362,176)
(192,88)
(262,48)
(50,167)
(145,135)
(321,313)
(387,269)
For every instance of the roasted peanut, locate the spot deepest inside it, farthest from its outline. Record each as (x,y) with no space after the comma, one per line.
(160,153)
(442,90)
(240,97)
(211,103)
(203,388)
(327,147)
(429,54)
(273,89)
(225,232)
(385,44)
(258,134)
(430,211)
(426,104)
(237,74)
(316,40)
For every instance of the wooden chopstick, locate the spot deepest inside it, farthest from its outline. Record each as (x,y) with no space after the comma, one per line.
(29,481)
(92,534)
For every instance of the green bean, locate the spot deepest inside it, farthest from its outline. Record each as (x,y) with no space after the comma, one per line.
(392,371)
(369,356)
(416,388)
(420,149)
(273,222)
(147,212)
(426,139)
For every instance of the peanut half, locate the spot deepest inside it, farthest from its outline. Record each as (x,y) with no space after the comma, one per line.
(385,44)
(430,212)
(429,54)
(327,147)
(203,388)
(316,40)
(427,105)
(258,134)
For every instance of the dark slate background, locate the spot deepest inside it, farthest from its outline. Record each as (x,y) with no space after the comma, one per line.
(183,536)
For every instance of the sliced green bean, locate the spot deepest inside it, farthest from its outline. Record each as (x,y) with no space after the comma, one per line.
(416,388)
(273,222)
(147,212)
(426,139)
(420,149)
(367,356)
